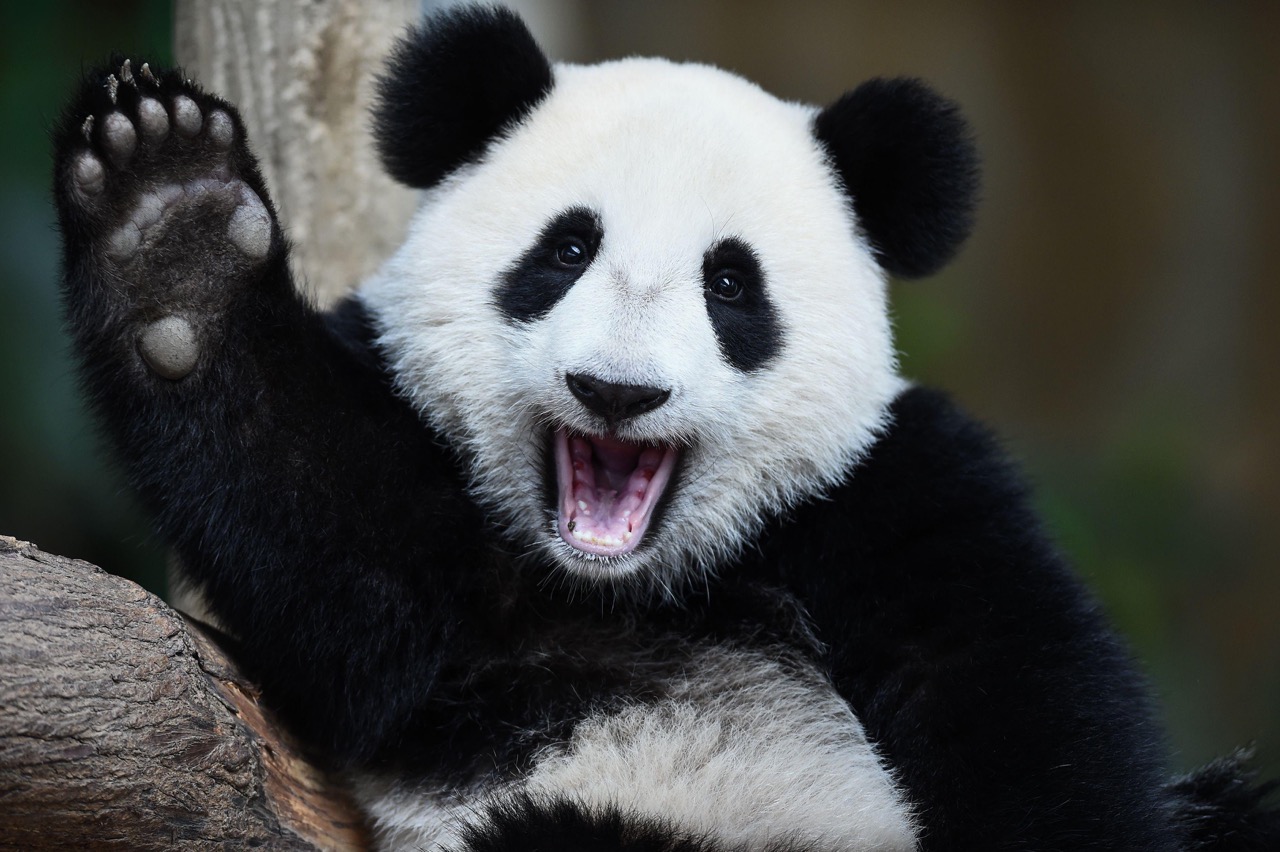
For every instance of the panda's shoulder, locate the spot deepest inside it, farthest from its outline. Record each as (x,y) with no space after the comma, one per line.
(936,511)
(351,323)
(935,461)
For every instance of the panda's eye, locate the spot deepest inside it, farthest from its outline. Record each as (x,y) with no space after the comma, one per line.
(725,285)
(571,252)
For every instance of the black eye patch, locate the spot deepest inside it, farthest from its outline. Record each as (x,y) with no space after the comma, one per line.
(545,272)
(746,325)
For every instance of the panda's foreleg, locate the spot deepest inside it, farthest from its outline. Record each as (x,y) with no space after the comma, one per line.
(983,672)
(304,499)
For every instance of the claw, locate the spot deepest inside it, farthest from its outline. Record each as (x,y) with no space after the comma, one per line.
(126,72)
(146,74)
(87,129)
(113,85)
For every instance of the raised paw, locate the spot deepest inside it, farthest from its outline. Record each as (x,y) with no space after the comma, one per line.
(163,212)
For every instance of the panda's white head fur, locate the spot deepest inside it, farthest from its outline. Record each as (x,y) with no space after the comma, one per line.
(647,299)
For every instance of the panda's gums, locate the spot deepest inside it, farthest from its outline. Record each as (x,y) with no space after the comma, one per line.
(608,490)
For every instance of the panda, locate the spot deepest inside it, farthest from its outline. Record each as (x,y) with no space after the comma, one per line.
(601,517)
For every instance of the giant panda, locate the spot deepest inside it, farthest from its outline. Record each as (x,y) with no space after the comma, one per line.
(601,517)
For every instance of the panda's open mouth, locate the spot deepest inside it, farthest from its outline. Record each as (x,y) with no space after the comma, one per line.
(608,490)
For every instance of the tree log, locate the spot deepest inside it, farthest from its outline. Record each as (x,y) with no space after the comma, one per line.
(123,726)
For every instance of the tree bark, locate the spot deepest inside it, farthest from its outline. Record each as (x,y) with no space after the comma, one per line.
(302,76)
(123,726)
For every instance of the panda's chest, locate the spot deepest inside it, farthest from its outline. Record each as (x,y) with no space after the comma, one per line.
(742,748)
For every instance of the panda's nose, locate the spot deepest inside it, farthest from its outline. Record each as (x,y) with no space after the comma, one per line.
(614,402)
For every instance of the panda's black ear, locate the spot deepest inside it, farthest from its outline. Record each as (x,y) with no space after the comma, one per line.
(909,163)
(453,83)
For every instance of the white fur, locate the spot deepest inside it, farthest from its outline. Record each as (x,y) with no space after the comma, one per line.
(673,158)
(746,749)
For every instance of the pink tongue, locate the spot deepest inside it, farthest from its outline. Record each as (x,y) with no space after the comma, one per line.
(605,485)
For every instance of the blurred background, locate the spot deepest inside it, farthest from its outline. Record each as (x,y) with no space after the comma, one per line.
(1115,315)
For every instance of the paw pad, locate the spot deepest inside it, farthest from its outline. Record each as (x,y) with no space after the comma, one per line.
(186,116)
(250,226)
(221,131)
(154,120)
(120,138)
(149,210)
(124,241)
(89,175)
(167,213)
(169,347)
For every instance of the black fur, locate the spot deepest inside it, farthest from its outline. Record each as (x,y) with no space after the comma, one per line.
(453,84)
(747,327)
(393,627)
(280,423)
(1223,807)
(907,160)
(977,663)
(350,323)
(541,277)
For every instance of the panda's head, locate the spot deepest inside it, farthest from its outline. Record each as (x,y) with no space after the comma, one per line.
(647,299)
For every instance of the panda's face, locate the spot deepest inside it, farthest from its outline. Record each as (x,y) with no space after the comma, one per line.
(647,316)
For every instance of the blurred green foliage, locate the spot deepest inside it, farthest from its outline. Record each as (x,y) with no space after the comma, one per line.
(56,488)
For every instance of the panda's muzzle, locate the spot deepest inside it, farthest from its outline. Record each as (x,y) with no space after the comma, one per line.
(607,488)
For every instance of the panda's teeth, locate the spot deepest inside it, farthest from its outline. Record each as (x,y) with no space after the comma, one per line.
(587,537)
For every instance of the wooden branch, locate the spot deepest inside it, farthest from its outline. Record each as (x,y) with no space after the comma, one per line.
(123,726)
